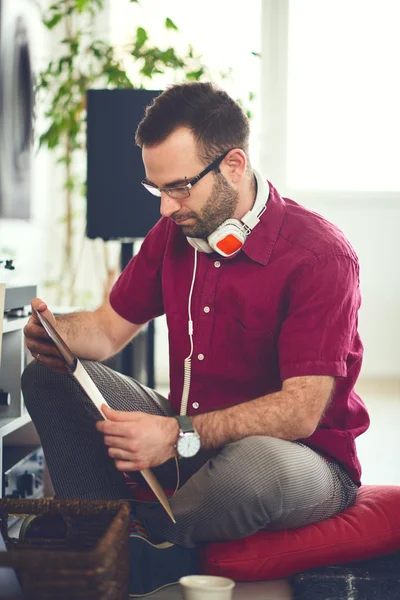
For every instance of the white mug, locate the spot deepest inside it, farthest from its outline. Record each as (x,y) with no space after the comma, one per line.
(206,587)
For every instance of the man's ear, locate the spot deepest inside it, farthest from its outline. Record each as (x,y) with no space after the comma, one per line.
(234,166)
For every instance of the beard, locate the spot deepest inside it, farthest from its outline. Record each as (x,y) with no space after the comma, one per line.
(221,205)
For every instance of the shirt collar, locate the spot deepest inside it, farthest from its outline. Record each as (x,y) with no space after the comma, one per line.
(261,241)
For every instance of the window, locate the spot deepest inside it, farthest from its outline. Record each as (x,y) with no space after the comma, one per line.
(337,93)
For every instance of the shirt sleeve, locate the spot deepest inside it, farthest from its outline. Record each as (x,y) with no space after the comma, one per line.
(320,328)
(137,294)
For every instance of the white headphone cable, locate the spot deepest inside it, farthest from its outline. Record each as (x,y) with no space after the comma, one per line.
(187,367)
(188,360)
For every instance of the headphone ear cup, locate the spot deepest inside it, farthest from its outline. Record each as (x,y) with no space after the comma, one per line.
(228,239)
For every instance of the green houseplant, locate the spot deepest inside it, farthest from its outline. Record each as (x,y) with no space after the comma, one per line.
(86,62)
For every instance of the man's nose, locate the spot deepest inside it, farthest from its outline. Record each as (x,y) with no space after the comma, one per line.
(168,205)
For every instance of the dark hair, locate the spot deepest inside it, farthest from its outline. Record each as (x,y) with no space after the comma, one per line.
(216,120)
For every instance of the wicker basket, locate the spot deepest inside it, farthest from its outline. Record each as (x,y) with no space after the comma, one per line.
(90,563)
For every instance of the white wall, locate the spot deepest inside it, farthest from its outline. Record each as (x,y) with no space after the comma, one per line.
(31,242)
(370,219)
(374,233)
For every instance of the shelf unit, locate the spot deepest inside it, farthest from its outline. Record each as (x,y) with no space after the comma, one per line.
(16,427)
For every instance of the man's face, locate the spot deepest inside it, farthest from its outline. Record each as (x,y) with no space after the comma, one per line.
(175,162)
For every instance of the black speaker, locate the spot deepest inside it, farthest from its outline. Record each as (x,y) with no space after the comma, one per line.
(118,206)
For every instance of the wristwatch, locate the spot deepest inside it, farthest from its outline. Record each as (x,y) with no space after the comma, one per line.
(188,443)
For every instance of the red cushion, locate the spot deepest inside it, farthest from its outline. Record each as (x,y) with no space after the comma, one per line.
(369,528)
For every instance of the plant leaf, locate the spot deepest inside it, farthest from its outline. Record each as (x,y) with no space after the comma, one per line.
(91,6)
(195,75)
(51,23)
(170,24)
(141,37)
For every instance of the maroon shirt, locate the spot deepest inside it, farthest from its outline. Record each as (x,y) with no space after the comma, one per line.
(285,306)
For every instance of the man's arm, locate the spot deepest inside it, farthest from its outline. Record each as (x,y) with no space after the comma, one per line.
(98,334)
(290,414)
(137,440)
(94,335)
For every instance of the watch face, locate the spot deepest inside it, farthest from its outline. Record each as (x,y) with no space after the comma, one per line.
(188,445)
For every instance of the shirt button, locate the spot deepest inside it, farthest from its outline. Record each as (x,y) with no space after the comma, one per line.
(206,309)
(195,405)
(200,356)
(217,264)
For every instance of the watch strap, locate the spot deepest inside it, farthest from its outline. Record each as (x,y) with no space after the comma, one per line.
(185,424)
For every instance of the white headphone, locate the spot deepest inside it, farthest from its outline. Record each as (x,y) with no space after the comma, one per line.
(231,235)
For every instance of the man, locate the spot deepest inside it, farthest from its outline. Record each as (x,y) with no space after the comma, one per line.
(261,299)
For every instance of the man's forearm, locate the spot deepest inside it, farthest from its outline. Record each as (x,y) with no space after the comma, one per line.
(83,332)
(279,415)
(96,335)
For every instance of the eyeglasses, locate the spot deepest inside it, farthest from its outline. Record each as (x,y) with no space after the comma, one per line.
(180,192)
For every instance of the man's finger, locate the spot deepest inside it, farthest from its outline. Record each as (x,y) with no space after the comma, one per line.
(119,429)
(54,364)
(47,353)
(42,347)
(115,441)
(34,330)
(120,454)
(127,466)
(39,304)
(118,415)
(41,307)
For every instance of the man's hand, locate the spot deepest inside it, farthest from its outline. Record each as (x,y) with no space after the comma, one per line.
(136,440)
(38,342)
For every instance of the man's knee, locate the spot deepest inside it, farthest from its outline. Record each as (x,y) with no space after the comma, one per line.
(35,375)
(263,465)
(254,460)
(264,452)
(32,374)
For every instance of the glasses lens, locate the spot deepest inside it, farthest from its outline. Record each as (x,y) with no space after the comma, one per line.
(153,190)
(179,193)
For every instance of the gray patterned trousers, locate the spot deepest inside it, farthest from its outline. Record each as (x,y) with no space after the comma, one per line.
(256,483)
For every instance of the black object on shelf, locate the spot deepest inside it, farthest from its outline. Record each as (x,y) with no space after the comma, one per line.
(23,472)
(5,398)
(7,264)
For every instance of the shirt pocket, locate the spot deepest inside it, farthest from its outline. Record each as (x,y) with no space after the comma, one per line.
(250,352)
